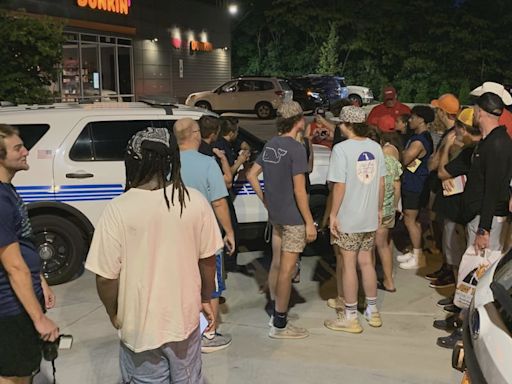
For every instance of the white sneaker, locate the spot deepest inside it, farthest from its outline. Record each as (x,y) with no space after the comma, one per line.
(405,257)
(289,332)
(271,321)
(416,262)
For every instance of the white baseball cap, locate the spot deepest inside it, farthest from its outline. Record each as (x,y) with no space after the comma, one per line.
(496,88)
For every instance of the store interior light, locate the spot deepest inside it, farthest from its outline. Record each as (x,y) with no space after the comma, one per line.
(154,40)
(233,9)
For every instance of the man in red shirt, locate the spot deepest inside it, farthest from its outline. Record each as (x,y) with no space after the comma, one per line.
(391,106)
(498,89)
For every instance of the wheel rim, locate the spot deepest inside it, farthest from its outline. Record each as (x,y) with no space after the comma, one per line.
(203,105)
(54,252)
(264,110)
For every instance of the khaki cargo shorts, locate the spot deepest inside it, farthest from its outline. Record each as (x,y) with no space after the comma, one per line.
(361,241)
(293,237)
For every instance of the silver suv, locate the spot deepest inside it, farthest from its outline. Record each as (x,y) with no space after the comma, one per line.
(259,95)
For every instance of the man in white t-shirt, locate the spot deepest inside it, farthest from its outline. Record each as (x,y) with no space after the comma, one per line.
(357,171)
(153,252)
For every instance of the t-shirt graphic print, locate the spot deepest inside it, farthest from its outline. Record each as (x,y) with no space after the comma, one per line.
(366,167)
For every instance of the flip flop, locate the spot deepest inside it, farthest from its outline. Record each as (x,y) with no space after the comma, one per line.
(382,287)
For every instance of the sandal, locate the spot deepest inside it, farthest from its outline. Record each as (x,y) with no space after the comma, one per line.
(382,287)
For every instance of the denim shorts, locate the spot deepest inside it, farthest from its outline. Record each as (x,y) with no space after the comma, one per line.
(220,284)
(177,362)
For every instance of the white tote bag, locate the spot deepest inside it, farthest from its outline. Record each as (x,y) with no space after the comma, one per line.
(472,267)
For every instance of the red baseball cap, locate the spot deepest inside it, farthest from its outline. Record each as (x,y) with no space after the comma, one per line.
(389,93)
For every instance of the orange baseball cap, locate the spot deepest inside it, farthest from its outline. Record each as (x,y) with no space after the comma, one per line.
(448,103)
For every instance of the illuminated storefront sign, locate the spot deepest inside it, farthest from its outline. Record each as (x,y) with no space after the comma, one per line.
(115,6)
(201,46)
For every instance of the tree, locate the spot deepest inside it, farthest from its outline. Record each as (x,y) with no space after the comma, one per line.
(328,62)
(31,52)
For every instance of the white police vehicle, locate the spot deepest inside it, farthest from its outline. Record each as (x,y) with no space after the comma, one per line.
(76,158)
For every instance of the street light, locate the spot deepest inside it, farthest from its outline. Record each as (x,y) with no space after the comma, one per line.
(233,9)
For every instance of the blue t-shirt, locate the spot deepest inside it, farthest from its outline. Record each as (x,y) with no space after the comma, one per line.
(201,172)
(15,228)
(282,158)
(416,181)
(360,165)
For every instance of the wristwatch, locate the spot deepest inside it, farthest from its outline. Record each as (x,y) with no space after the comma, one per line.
(481,231)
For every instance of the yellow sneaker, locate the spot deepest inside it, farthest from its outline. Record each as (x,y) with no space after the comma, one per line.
(341,323)
(336,303)
(373,318)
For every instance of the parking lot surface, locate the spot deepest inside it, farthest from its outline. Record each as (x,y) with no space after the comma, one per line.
(402,351)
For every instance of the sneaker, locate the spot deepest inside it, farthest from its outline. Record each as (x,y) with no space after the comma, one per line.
(405,257)
(437,274)
(336,303)
(451,308)
(444,302)
(451,340)
(288,332)
(449,324)
(271,321)
(341,323)
(415,262)
(373,318)
(215,343)
(447,280)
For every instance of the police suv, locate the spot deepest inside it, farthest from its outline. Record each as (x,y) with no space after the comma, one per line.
(76,158)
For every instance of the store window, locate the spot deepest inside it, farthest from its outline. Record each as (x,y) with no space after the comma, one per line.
(96,67)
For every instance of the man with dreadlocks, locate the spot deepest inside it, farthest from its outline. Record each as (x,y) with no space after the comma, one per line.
(153,253)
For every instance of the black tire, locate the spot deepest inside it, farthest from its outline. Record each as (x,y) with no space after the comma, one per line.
(61,246)
(264,110)
(204,104)
(356,100)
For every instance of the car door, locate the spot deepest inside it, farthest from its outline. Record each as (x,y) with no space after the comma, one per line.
(89,170)
(225,99)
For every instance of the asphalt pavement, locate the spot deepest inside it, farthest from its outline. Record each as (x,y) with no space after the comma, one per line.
(403,350)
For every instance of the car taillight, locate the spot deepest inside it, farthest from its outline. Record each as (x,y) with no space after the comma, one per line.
(280,93)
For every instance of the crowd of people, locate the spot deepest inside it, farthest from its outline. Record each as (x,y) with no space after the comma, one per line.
(161,250)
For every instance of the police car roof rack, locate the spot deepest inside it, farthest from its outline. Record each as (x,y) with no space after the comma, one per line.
(165,102)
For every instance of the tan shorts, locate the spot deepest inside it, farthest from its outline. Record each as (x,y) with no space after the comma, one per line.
(361,241)
(293,237)
(388,222)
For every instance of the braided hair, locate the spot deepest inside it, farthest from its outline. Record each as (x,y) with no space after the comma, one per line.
(147,157)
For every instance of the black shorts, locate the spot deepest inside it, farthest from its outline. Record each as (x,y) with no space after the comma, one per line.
(414,201)
(20,346)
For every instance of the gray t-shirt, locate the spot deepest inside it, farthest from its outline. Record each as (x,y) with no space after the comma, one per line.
(360,165)
(281,159)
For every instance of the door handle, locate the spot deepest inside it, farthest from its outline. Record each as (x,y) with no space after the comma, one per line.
(79,175)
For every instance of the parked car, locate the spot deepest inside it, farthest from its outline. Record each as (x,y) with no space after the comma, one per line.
(485,354)
(260,95)
(76,157)
(329,88)
(303,94)
(360,95)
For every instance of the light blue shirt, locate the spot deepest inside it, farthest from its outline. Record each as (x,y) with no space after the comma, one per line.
(360,165)
(201,172)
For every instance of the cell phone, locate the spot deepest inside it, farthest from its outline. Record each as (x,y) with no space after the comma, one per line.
(65,342)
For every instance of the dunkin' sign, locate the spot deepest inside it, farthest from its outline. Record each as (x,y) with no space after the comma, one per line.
(115,6)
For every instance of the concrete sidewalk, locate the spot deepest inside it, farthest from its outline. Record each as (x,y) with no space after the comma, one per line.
(402,351)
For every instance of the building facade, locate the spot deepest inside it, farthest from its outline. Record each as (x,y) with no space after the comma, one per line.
(127,49)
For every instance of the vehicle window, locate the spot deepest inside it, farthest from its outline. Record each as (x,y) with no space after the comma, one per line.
(229,87)
(284,85)
(245,85)
(341,82)
(107,140)
(31,133)
(261,85)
